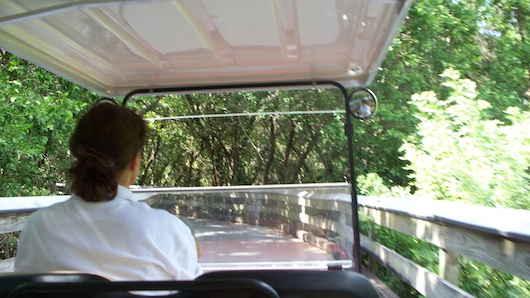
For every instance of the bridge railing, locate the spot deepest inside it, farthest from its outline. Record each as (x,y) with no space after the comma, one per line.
(496,237)
(321,215)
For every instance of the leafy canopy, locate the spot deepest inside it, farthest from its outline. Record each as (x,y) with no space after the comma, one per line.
(460,154)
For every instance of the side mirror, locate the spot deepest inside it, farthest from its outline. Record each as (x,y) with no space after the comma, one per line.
(362,104)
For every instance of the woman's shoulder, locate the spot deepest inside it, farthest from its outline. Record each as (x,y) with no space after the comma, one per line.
(166,225)
(44,214)
(165,217)
(147,213)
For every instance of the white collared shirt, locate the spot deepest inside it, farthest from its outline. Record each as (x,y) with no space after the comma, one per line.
(121,239)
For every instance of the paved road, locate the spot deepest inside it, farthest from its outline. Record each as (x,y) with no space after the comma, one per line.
(226,245)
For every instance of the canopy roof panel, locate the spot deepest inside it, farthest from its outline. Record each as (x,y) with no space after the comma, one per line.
(114,47)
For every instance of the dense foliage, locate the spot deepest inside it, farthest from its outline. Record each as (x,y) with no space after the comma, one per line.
(453,124)
(265,147)
(37,112)
(493,157)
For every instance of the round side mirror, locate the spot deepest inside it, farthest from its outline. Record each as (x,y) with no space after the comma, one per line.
(362,104)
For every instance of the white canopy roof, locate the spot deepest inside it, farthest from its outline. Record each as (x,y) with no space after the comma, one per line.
(114,47)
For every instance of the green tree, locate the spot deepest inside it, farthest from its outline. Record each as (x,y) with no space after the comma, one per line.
(37,112)
(460,154)
(503,77)
(437,34)
(275,148)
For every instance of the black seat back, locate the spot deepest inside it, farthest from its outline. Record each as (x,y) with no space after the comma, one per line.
(10,281)
(86,285)
(305,283)
(241,284)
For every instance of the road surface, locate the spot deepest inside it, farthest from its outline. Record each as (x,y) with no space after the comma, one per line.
(226,245)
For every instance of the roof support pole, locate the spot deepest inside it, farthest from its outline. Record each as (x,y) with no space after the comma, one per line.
(349,131)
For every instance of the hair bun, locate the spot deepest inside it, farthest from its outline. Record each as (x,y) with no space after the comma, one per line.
(105,160)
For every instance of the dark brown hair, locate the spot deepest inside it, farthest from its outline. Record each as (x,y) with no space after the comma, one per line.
(105,140)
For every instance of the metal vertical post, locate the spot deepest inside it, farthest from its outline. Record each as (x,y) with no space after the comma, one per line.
(349,130)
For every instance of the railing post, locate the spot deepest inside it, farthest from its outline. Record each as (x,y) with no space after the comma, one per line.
(449,266)
(372,262)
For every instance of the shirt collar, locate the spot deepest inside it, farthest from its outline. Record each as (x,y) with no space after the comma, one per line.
(122,193)
(125,193)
